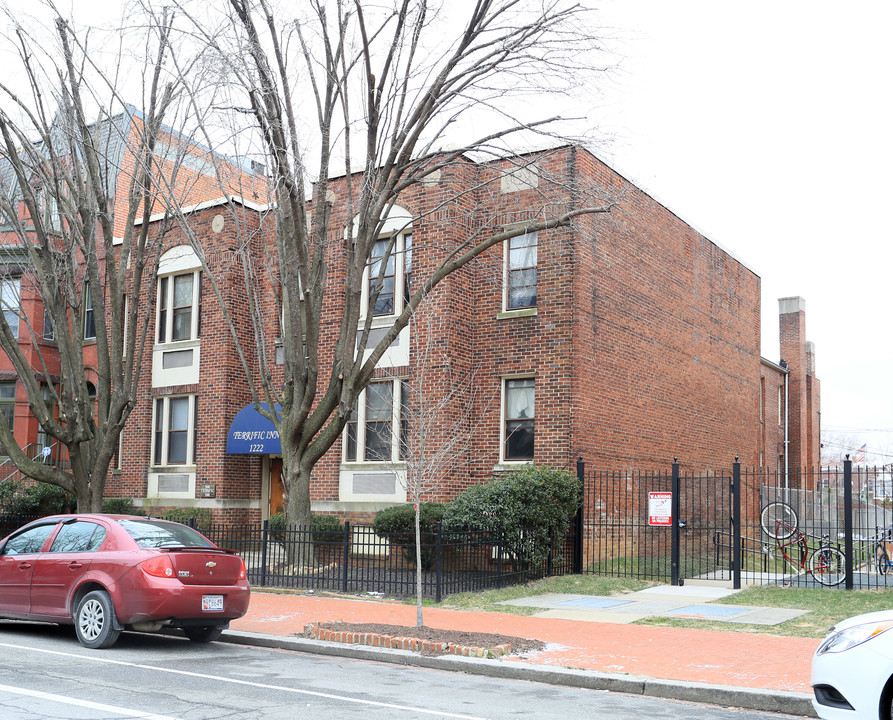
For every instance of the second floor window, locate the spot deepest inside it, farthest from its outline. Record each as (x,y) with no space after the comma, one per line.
(388,276)
(48,333)
(179,307)
(10,298)
(89,318)
(520,272)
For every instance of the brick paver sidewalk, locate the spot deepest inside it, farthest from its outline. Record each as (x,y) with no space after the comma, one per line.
(689,655)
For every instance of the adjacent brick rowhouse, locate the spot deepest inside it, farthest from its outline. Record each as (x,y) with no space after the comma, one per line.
(643,344)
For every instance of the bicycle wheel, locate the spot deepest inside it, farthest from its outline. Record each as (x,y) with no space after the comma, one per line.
(881,559)
(778,520)
(828,565)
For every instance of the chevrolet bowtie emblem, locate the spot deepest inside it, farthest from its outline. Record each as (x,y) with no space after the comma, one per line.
(211,564)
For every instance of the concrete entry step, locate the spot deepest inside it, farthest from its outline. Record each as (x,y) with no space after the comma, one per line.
(686,601)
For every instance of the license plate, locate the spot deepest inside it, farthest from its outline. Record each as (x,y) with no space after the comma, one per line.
(210,603)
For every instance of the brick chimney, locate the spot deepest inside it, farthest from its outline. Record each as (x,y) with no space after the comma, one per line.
(804,447)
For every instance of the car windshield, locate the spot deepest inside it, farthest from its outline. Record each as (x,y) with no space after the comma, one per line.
(161,534)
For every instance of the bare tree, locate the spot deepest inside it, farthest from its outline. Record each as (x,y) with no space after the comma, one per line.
(358,100)
(72,246)
(438,405)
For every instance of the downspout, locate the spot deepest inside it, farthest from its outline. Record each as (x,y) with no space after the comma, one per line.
(787,437)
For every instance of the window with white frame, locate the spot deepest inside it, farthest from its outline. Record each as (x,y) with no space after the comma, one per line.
(174,436)
(179,307)
(520,272)
(376,431)
(519,417)
(8,402)
(89,317)
(387,285)
(10,298)
(48,332)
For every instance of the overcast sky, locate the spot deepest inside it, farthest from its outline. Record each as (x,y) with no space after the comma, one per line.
(768,127)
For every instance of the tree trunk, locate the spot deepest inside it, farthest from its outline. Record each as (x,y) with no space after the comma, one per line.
(297,507)
(418,567)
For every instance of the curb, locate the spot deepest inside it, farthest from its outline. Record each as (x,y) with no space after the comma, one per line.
(790,703)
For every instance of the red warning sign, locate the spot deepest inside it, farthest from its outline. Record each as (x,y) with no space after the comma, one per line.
(660,508)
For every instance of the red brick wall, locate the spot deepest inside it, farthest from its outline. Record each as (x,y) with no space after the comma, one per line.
(667,329)
(644,345)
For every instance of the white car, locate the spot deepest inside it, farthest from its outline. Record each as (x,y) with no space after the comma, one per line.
(852,670)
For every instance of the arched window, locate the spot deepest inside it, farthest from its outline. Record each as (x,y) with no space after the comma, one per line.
(179,298)
(388,276)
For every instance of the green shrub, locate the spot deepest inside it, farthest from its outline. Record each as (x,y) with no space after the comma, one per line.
(531,506)
(120,506)
(399,520)
(397,524)
(276,523)
(325,528)
(200,518)
(9,492)
(19,499)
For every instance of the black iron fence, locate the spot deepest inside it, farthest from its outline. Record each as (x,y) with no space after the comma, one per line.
(828,527)
(359,561)
(11,522)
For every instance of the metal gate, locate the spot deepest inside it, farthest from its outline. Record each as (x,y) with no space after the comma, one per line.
(840,532)
(620,536)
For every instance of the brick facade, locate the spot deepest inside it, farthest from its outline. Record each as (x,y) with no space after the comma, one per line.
(643,344)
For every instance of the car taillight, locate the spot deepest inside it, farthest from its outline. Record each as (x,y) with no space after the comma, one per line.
(158,567)
(242,573)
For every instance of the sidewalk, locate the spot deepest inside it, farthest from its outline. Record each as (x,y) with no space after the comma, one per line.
(772,670)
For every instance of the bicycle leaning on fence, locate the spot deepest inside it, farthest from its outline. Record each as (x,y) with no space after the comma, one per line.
(883,549)
(826,563)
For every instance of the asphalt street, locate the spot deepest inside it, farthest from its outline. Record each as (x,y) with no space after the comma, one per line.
(45,673)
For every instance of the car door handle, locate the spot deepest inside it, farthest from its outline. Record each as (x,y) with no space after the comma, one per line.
(25,566)
(75,565)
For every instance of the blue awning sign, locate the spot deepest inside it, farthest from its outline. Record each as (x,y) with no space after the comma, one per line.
(253,434)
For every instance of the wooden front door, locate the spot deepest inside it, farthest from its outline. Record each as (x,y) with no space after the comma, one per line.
(277,493)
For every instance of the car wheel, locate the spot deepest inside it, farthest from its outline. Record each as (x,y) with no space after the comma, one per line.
(94,620)
(203,633)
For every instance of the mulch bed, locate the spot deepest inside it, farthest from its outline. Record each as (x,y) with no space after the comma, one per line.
(453,638)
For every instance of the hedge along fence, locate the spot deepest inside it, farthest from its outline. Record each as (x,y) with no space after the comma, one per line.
(532,507)
(397,525)
(512,529)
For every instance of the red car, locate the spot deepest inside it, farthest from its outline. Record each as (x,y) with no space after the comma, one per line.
(108,573)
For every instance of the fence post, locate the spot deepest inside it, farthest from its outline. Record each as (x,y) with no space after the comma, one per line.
(265,538)
(346,555)
(499,560)
(848,521)
(438,562)
(578,520)
(675,538)
(736,525)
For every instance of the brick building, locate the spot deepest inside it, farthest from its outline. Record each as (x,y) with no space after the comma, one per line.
(626,338)
(192,175)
